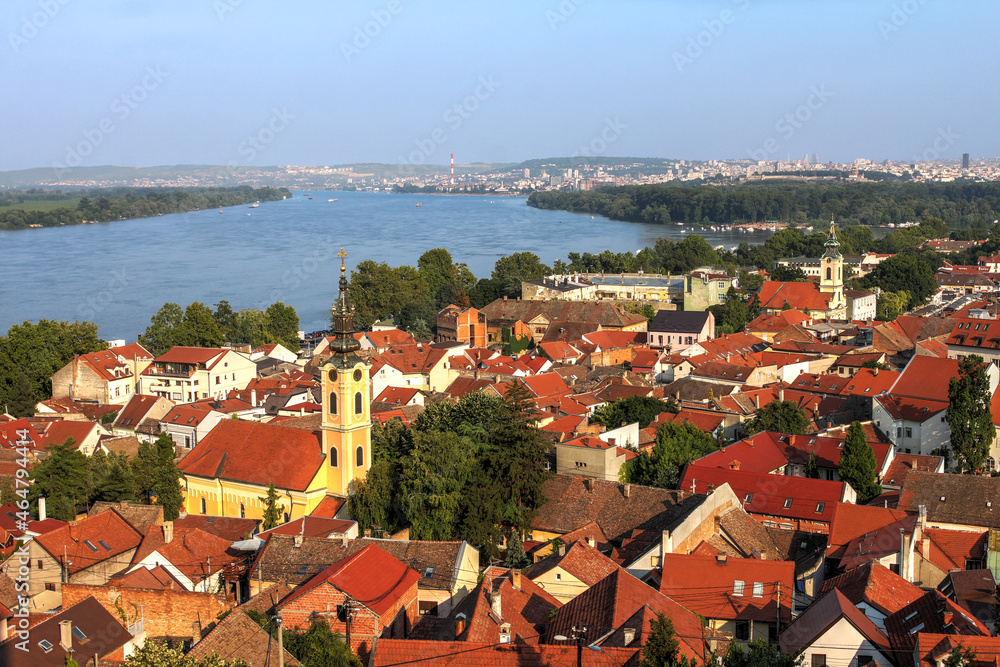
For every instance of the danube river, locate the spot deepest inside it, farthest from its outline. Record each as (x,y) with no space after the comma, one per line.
(118,274)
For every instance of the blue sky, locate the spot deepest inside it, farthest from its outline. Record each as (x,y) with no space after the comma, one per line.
(262,82)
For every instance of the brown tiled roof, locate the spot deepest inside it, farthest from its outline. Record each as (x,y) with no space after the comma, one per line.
(230,528)
(806,549)
(393,652)
(127,445)
(141,517)
(749,536)
(265,601)
(821,615)
(420,555)
(965,500)
(238,637)
(195,553)
(280,559)
(973,590)
(81,541)
(570,504)
(600,313)
(934,613)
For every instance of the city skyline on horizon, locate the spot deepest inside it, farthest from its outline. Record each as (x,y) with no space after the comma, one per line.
(399,82)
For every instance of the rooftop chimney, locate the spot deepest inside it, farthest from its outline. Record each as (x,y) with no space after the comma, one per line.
(298,540)
(168,532)
(562,548)
(627,491)
(66,635)
(495,604)
(588,484)
(41,508)
(611,442)
(591,541)
(721,558)
(253,397)
(368,532)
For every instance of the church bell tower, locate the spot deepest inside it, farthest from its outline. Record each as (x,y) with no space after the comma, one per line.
(344,377)
(831,275)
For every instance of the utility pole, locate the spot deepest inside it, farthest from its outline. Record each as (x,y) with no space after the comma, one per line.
(580,634)
(777,587)
(281,642)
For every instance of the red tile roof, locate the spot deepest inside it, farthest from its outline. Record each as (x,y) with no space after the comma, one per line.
(581,560)
(135,411)
(615,600)
(546,384)
(186,415)
(56,433)
(975,332)
(311,526)
(178,354)
(902,464)
(773,495)
(329,507)
(370,576)
(729,588)
(773,323)
(91,540)
(932,612)
(950,549)
(398,395)
(800,295)
(190,551)
(933,648)
(703,421)
(876,585)
(910,409)
(256,453)
(132,352)
(853,521)
(17,430)
(106,365)
(926,378)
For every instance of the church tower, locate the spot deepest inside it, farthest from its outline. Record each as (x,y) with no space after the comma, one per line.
(831,275)
(346,425)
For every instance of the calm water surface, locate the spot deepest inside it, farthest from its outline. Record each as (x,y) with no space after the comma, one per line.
(119,273)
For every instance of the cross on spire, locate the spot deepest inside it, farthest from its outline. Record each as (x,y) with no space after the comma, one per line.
(343,256)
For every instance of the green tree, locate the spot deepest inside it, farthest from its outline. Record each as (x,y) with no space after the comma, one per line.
(786,274)
(157,654)
(447,282)
(857,464)
(642,409)
(250,327)
(432,479)
(319,646)
(225,317)
(30,353)
(759,653)
(110,477)
(874,364)
(780,416)
(515,557)
(378,290)
(156,475)
(166,329)
(676,445)
(909,273)
(272,512)
(960,656)
(891,305)
(969,415)
(281,323)
(61,480)
(812,466)
(662,648)
(200,328)
(374,502)
(515,268)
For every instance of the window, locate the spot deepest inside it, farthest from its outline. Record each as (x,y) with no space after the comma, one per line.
(748,498)
(333,402)
(333,457)
(41,564)
(204,507)
(90,545)
(428,572)
(971,564)
(788,503)
(909,432)
(50,586)
(46,645)
(558,576)
(738,587)
(427,608)
(217,379)
(818,660)
(243,511)
(742,630)
(722,284)
(863,659)
(829,273)
(758,589)
(358,407)
(360,457)
(899,431)
(78,633)
(819,508)
(991,464)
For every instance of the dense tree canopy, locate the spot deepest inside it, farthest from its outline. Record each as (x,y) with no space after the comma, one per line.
(780,416)
(904,273)
(200,326)
(29,355)
(857,464)
(642,409)
(676,445)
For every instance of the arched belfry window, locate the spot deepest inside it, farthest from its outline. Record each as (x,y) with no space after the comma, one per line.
(333,457)
(333,402)
(358,406)
(829,273)
(360,457)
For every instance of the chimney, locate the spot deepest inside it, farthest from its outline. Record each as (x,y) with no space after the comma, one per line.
(515,578)
(591,542)
(298,540)
(459,626)
(344,540)
(66,635)
(495,604)
(720,559)
(588,484)
(734,465)
(41,508)
(781,394)
(168,532)
(717,524)
(756,399)
(627,491)
(611,442)
(253,397)
(368,532)
(562,548)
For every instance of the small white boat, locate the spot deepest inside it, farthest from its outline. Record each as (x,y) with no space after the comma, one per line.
(331,200)
(256,204)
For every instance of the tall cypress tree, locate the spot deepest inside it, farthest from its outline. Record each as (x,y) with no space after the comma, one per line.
(857,464)
(969,414)
(272,513)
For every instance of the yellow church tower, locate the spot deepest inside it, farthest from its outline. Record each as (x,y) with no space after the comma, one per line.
(346,425)
(831,276)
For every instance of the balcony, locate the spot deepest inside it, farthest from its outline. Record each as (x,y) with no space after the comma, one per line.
(163,371)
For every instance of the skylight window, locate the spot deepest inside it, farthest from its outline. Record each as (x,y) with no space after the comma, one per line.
(46,645)
(758,589)
(788,503)
(90,545)
(819,508)
(428,573)
(104,544)
(915,629)
(738,587)
(78,633)
(303,569)
(748,498)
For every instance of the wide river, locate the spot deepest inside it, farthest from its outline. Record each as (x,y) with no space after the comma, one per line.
(118,274)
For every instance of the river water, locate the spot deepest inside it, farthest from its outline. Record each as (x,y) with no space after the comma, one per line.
(119,273)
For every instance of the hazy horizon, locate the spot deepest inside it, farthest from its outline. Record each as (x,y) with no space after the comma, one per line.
(211,82)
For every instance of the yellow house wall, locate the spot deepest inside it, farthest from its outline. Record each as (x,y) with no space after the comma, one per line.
(564,590)
(223,497)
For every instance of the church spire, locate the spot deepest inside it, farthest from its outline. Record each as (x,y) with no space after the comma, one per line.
(343,315)
(832,244)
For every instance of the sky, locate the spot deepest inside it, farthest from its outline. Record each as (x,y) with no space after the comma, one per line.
(327,82)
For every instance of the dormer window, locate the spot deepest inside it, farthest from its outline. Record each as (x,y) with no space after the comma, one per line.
(738,588)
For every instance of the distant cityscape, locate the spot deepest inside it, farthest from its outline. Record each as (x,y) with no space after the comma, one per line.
(568,173)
